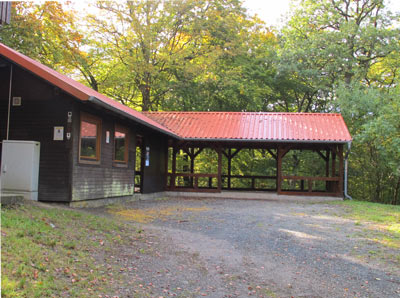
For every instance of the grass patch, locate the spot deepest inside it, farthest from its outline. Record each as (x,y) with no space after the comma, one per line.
(53,252)
(383,221)
(372,212)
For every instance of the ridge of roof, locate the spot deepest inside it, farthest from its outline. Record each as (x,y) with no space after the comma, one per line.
(78,90)
(246,113)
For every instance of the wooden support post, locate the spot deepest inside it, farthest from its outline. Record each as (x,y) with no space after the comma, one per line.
(328,183)
(192,157)
(166,161)
(334,162)
(278,170)
(142,164)
(281,152)
(334,186)
(327,163)
(173,176)
(219,150)
(229,156)
(309,185)
(341,173)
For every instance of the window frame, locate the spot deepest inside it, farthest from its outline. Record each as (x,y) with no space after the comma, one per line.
(124,130)
(93,120)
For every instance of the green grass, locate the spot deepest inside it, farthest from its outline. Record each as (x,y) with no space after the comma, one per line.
(383,221)
(372,212)
(54,252)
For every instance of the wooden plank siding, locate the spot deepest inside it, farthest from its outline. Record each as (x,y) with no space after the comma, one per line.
(108,178)
(43,107)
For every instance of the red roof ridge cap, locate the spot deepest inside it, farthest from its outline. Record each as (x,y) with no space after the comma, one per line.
(241,113)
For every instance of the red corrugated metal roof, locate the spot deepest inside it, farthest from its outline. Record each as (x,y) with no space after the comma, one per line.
(75,88)
(305,127)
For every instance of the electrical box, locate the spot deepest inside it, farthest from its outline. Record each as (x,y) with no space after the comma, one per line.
(20,168)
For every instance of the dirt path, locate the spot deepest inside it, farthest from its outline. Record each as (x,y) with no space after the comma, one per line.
(234,248)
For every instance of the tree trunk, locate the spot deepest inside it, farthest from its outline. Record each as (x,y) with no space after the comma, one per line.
(396,196)
(146,103)
(93,82)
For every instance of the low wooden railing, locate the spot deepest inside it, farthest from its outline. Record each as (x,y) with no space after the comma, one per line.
(331,187)
(193,180)
(253,181)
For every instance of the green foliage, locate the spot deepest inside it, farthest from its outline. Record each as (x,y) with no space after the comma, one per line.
(184,55)
(344,56)
(373,116)
(327,42)
(46,32)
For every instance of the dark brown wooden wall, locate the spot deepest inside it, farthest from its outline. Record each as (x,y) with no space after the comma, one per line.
(154,176)
(107,179)
(43,107)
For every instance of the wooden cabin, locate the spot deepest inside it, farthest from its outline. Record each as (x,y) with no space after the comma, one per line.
(93,147)
(95,156)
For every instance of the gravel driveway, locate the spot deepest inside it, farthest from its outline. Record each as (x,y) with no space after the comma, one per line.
(238,248)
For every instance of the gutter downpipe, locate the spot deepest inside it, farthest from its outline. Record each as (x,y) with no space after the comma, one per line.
(346,163)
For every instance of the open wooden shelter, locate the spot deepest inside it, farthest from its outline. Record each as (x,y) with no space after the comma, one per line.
(277,133)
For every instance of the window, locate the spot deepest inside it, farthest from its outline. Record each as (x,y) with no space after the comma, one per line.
(121,144)
(89,143)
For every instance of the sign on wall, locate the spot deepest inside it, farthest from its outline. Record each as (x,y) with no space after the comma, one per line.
(58,133)
(147,161)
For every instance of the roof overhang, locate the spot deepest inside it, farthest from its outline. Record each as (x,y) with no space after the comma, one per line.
(103,104)
(267,141)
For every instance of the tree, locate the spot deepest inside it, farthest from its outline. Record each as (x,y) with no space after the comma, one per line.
(168,51)
(45,32)
(330,41)
(372,114)
(236,77)
(344,56)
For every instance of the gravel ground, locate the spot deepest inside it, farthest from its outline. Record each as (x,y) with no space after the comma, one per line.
(238,248)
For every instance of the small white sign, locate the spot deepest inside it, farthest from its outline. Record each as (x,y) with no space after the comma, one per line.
(58,133)
(16,101)
(107,136)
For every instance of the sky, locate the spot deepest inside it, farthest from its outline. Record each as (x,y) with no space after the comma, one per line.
(272,11)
